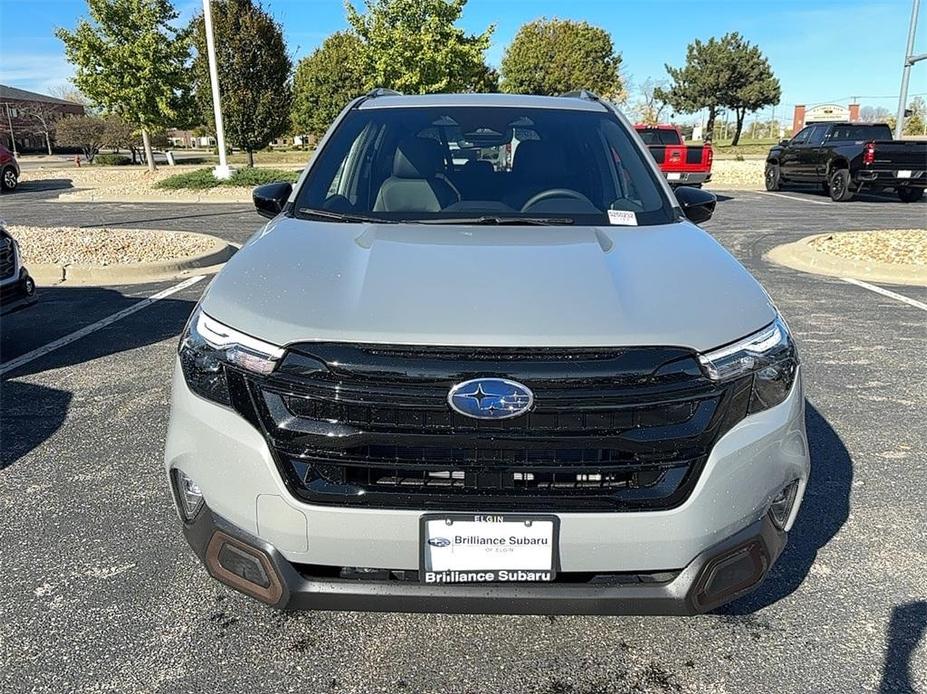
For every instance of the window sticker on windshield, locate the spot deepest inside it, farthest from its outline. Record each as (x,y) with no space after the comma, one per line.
(622,217)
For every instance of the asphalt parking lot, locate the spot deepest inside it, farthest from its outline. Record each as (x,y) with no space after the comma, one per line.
(99,592)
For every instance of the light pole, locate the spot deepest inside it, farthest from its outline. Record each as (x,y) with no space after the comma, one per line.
(222,171)
(909,60)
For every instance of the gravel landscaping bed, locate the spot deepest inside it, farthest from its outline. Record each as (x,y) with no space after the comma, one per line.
(730,173)
(895,246)
(74,246)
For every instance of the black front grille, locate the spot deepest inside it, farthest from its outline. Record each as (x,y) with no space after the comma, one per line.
(7,261)
(370,425)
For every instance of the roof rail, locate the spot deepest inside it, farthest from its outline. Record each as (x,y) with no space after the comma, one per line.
(382,91)
(581,94)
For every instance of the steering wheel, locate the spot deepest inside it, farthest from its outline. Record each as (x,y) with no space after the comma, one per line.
(556,193)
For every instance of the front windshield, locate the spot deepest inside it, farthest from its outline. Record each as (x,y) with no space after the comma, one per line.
(505,165)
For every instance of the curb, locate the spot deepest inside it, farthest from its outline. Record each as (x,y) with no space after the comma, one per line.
(92,196)
(135,273)
(801,256)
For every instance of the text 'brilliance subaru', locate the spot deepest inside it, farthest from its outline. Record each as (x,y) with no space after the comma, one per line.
(482,360)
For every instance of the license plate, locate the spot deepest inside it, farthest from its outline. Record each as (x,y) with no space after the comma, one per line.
(904,174)
(673,176)
(488,548)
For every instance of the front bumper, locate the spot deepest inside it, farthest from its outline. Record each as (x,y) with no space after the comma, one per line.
(230,461)
(724,572)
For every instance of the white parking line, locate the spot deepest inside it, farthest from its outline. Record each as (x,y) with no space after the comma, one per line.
(93,327)
(791,197)
(886,292)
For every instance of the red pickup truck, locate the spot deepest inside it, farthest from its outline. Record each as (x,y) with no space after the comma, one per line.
(683,165)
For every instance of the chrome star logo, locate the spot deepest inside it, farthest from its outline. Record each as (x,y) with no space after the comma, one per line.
(490,398)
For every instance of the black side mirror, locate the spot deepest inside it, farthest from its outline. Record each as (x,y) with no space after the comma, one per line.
(784,143)
(270,199)
(697,205)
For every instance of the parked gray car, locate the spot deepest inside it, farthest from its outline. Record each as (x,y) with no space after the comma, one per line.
(520,383)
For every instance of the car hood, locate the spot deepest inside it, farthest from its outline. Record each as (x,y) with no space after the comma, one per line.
(500,286)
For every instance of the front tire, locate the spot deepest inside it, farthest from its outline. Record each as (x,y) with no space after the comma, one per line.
(840,190)
(910,194)
(772,178)
(9,180)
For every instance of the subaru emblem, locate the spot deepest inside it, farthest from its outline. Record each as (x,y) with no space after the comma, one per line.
(439,542)
(490,398)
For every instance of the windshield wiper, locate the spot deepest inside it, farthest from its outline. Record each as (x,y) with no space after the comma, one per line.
(343,216)
(489,219)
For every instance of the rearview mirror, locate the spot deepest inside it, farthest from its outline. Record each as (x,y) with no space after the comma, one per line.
(697,205)
(270,199)
(784,143)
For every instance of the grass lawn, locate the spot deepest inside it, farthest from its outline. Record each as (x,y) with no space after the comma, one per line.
(272,157)
(201,179)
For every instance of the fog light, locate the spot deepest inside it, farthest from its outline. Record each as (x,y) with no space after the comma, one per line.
(781,507)
(189,496)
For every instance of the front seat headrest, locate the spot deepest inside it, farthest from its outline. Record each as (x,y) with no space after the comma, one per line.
(417,157)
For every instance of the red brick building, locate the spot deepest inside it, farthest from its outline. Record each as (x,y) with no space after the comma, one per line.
(23,109)
(823,112)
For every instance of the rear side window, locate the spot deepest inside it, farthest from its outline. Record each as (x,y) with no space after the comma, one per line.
(425,164)
(855,133)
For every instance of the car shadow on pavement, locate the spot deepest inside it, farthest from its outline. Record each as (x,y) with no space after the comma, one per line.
(30,412)
(44,185)
(905,631)
(863,196)
(824,510)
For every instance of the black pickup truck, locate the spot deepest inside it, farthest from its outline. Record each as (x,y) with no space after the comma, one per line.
(845,158)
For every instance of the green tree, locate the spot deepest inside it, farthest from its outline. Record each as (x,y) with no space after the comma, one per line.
(326,80)
(552,56)
(130,60)
(254,72)
(722,73)
(414,46)
(86,132)
(916,123)
(752,84)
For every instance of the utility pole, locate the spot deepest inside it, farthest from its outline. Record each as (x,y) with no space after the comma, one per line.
(9,119)
(909,60)
(222,171)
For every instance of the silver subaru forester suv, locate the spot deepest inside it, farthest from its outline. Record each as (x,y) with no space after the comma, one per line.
(482,359)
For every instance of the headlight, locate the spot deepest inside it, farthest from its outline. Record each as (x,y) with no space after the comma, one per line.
(768,355)
(208,347)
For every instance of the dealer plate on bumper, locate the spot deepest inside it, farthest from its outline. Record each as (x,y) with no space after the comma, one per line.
(488,548)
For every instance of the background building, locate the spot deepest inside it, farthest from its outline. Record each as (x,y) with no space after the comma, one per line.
(24,111)
(823,112)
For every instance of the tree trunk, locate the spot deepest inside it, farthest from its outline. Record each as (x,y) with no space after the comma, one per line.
(149,155)
(48,143)
(741,114)
(709,133)
(250,158)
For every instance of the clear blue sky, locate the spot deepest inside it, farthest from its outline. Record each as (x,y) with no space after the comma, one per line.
(821,50)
